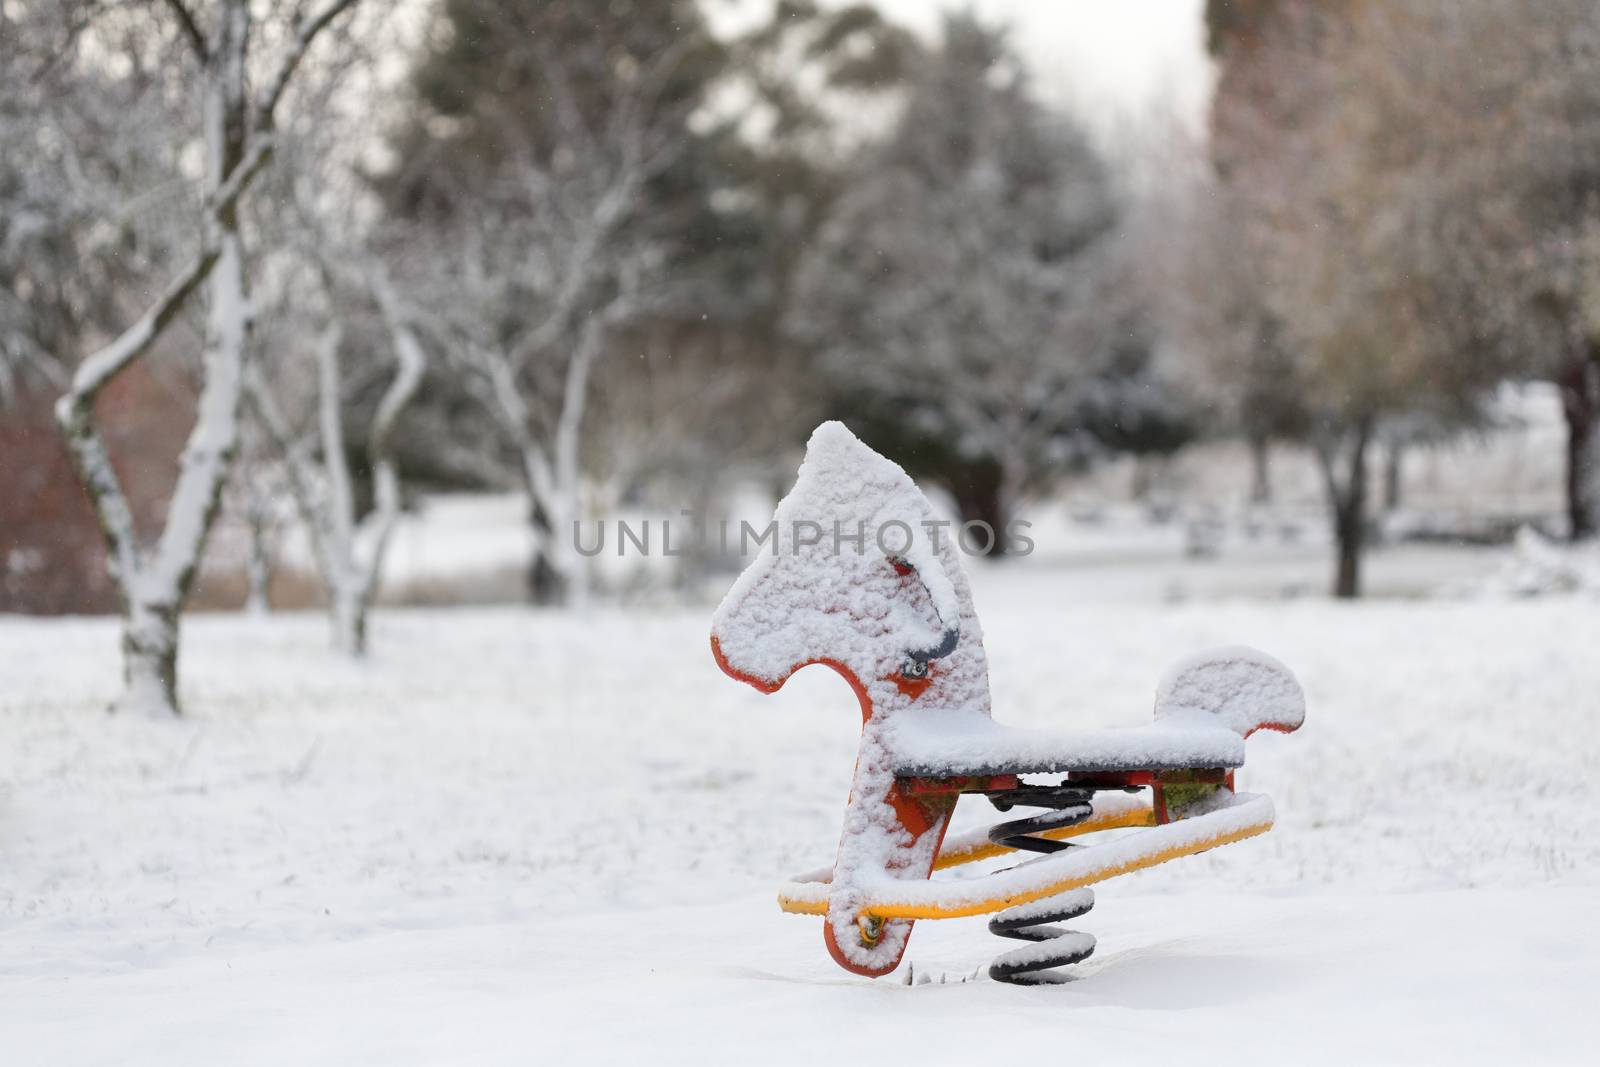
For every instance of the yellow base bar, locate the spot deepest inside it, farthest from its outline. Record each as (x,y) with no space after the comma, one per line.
(994,904)
(985,907)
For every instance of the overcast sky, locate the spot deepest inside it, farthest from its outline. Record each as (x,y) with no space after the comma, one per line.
(1107,58)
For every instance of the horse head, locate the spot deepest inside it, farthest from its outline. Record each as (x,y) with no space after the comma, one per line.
(862,577)
(857,577)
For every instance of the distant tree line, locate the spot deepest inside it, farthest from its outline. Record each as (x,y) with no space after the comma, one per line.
(604,257)
(1403,211)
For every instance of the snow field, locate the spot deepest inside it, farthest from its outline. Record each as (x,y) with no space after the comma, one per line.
(515,837)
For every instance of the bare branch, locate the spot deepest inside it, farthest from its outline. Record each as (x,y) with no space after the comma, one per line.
(244,172)
(340,511)
(386,479)
(190,28)
(296,468)
(105,364)
(99,368)
(93,464)
(408,352)
(305,33)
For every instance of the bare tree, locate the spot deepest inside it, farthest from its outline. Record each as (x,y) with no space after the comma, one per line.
(1510,116)
(1319,132)
(238,135)
(349,553)
(1213,299)
(554,263)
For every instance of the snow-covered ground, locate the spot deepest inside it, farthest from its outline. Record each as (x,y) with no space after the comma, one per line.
(515,837)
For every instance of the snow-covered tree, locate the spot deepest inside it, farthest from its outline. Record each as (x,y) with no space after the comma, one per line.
(340,356)
(962,288)
(349,549)
(543,292)
(92,206)
(240,90)
(552,227)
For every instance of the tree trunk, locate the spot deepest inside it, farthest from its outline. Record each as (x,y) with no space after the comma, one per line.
(1393,472)
(349,611)
(572,565)
(980,492)
(150,657)
(1013,475)
(1260,471)
(1580,402)
(155,594)
(1347,501)
(547,586)
(258,568)
(1349,523)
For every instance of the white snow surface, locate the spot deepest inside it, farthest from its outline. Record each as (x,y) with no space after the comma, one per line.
(517,837)
(1535,566)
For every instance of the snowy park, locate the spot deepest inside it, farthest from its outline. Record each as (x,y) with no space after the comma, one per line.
(803,532)
(512,837)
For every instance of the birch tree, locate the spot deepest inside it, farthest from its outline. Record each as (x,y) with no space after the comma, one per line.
(349,550)
(238,118)
(557,253)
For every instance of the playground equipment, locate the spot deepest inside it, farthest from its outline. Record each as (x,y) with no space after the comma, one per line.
(860,579)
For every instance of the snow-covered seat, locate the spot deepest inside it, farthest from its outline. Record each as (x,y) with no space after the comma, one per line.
(1205,708)
(935,745)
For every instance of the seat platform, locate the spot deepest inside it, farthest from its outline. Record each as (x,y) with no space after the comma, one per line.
(939,744)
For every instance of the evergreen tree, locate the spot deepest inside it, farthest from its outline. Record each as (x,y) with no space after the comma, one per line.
(963,292)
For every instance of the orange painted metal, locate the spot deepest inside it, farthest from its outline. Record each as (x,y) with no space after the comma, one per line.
(918,813)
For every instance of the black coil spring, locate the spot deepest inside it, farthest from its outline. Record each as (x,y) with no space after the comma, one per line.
(1052,946)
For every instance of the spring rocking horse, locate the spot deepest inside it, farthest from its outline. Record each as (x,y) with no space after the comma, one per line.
(898,623)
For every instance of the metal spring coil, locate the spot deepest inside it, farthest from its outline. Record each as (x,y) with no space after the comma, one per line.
(1050,946)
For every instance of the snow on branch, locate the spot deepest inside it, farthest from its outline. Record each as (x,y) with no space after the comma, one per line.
(103,365)
(94,372)
(408,378)
(408,352)
(349,553)
(238,180)
(305,33)
(296,467)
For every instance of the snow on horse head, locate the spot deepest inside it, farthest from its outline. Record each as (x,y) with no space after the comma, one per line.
(861,577)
